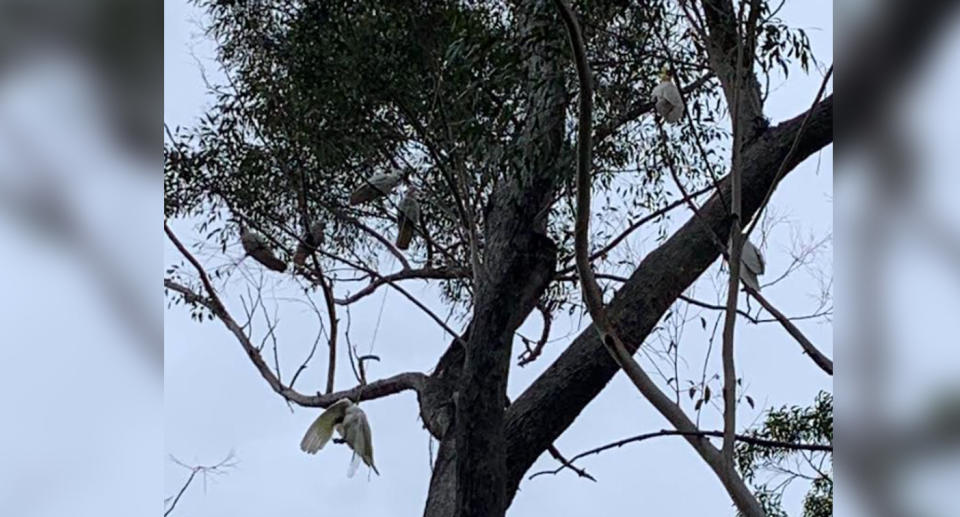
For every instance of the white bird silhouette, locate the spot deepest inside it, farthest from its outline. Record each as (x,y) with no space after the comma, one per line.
(309,242)
(751,265)
(408,218)
(258,247)
(377,186)
(351,424)
(666,98)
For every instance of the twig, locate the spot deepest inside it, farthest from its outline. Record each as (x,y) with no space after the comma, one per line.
(564,463)
(377,389)
(821,360)
(327,289)
(405,274)
(762,442)
(705,305)
(531,354)
(227,463)
(637,224)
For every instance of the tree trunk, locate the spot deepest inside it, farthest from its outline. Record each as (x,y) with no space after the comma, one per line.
(519,260)
(484,450)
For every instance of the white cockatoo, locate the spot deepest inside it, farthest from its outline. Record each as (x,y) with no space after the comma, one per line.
(309,242)
(258,247)
(751,265)
(376,186)
(351,424)
(666,98)
(408,218)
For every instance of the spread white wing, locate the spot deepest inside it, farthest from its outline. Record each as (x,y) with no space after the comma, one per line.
(319,433)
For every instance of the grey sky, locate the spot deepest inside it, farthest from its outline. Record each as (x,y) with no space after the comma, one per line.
(215,400)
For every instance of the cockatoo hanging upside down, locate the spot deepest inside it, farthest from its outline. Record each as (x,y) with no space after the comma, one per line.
(351,423)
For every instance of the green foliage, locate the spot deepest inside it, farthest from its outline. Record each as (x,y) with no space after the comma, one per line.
(455,94)
(819,500)
(808,425)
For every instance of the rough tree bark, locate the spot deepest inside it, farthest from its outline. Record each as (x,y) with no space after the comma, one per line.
(484,449)
(546,408)
(518,264)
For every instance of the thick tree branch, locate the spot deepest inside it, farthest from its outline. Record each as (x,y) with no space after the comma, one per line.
(372,390)
(554,400)
(724,49)
(519,261)
(781,170)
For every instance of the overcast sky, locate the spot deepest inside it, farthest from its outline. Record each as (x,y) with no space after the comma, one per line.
(215,401)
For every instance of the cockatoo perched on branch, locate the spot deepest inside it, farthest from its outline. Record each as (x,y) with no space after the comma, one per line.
(751,265)
(377,186)
(351,424)
(408,218)
(309,242)
(666,97)
(258,247)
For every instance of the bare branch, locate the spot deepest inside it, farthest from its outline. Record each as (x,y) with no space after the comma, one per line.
(565,463)
(822,361)
(340,214)
(377,389)
(327,288)
(719,21)
(423,273)
(762,442)
(373,390)
(531,354)
(706,305)
(635,225)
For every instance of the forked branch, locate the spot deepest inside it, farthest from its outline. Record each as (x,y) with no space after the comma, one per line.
(741,495)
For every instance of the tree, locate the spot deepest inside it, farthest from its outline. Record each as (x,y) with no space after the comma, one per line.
(474,104)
